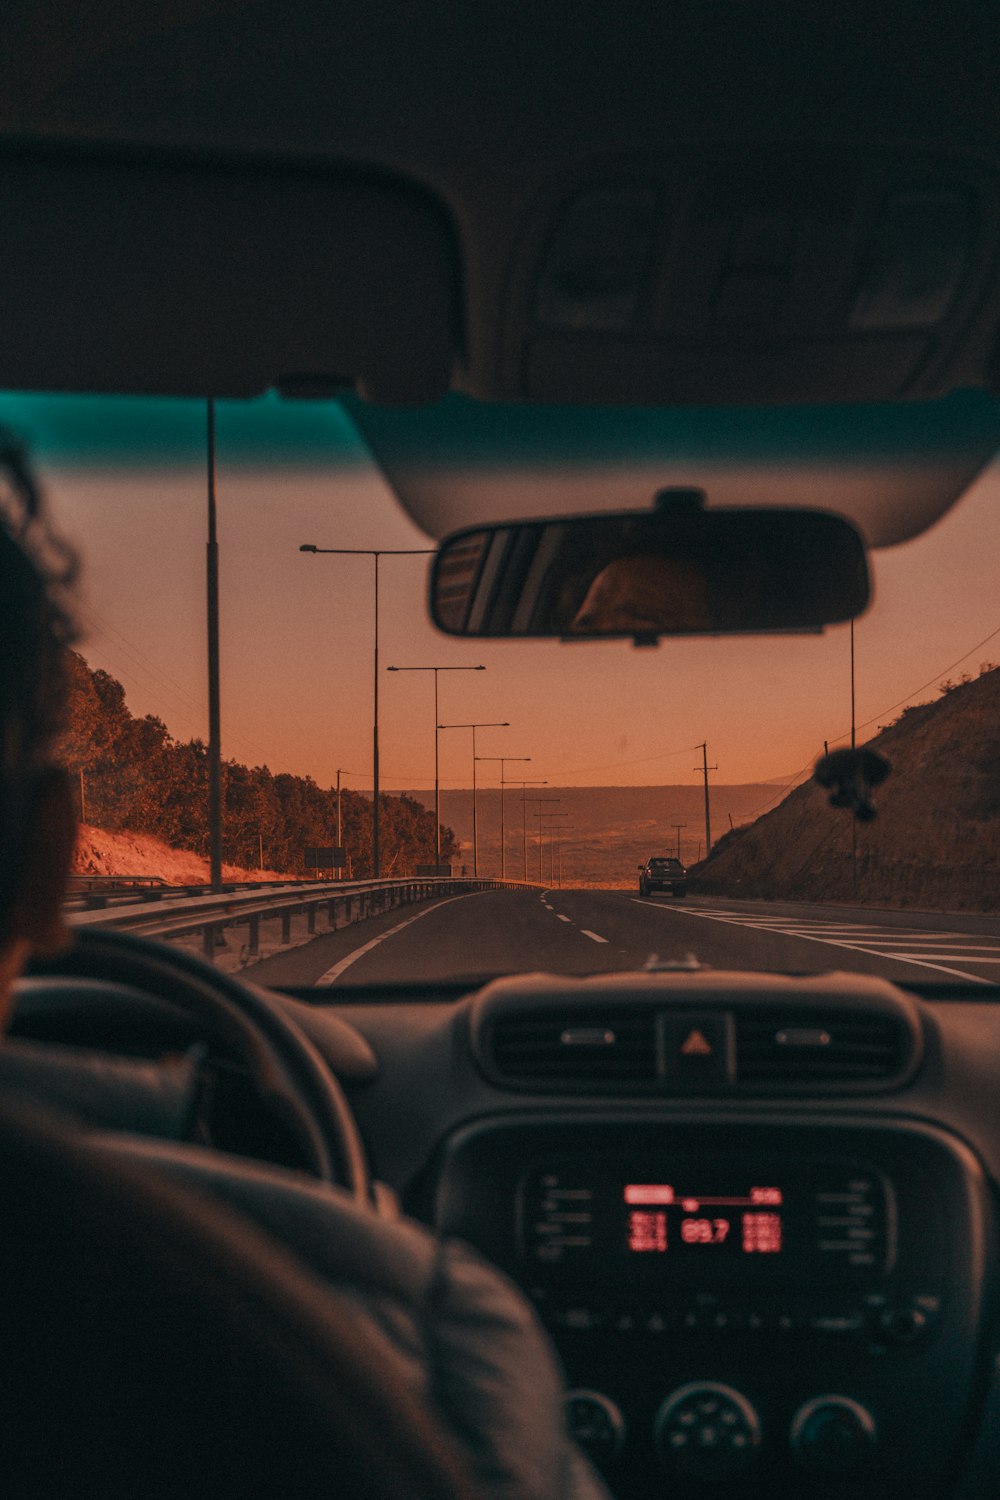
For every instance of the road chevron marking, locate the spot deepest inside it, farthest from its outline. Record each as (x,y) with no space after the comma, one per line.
(334,974)
(714,914)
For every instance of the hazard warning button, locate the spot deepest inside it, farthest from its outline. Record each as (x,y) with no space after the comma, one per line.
(697,1049)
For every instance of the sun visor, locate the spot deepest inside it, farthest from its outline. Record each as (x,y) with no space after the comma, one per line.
(174,277)
(891,469)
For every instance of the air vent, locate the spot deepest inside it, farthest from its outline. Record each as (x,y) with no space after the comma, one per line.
(575,1047)
(810,1047)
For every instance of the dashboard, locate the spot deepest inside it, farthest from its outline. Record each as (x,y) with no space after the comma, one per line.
(754,1287)
(756,1213)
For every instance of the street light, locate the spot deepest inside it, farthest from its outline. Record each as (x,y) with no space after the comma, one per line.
(376,553)
(340,841)
(538,800)
(540,815)
(503,724)
(515,781)
(503,759)
(437,783)
(561,832)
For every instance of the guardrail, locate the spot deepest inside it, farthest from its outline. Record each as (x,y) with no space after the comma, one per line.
(92,892)
(210,914)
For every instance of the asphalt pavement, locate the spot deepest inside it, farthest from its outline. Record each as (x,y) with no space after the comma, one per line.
(586,931)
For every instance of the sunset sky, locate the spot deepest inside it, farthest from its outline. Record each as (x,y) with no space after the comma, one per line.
(126,482)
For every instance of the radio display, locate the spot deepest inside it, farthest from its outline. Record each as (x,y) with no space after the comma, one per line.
(660,1220)
(678,1219)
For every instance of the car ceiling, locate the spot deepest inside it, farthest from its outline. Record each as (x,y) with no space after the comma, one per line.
(725,204)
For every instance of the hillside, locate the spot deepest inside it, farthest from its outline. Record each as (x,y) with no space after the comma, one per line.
(609,830)
(99,852)
(134,778)
(934,844)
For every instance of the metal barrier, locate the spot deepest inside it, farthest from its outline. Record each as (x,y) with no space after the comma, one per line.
(211,914)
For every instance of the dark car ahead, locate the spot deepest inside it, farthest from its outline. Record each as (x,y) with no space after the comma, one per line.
(663,873)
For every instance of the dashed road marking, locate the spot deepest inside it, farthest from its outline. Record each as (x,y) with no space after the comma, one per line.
(332,975)
(594,936)
(562,918)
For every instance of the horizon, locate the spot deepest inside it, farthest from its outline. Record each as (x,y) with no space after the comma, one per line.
(297,639)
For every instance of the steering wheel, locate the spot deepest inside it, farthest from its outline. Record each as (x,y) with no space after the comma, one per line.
(285,1066)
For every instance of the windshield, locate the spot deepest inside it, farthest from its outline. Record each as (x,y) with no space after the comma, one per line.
(552,765)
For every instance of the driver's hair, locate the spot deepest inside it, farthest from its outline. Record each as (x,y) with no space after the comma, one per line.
(37,575)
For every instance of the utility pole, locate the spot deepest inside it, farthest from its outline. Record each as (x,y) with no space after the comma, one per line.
(516,781)
(340,841)
(704,768)
(377,553)
(214,739)
(538,814)
(437,726)
(551,815)
(483,724)
(678,826)
(503,759)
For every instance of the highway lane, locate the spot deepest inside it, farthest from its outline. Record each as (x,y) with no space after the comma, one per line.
(584,931)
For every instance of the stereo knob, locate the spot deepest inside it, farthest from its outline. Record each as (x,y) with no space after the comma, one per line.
(595,1423)
(832,1436)
(706,1431)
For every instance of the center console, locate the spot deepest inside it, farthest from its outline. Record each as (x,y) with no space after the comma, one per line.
(748,1304)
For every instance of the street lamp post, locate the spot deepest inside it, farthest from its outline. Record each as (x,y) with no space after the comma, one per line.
(437,726)
(537,801)
(340,841)
(561,832)
(502,724)
(376,553)
(503,759)
(553,815)
(516,781)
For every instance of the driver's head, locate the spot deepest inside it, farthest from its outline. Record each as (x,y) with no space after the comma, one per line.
(645,593)
(36,811)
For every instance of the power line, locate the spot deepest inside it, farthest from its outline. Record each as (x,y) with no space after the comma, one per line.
(765,806)
(641,761)
(932,680)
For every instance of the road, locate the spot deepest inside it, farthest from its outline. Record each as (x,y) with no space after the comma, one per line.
(583,931)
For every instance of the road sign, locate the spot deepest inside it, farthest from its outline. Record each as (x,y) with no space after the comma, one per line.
(330,857)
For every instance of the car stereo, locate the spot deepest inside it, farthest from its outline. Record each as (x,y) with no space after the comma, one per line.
(668,1220)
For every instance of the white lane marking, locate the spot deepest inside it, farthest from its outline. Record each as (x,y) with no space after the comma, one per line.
(594,936)
(933,940)
(562,918)
(714,914)
(333,974)
(972,958)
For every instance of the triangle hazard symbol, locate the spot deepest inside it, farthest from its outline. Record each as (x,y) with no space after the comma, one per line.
(697,1045)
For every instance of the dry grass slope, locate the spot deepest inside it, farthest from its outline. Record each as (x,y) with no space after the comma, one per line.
(935,843)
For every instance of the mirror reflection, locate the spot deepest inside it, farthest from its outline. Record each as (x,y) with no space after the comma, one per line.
(676,570)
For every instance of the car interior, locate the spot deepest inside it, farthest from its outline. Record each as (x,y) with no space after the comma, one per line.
(715,282)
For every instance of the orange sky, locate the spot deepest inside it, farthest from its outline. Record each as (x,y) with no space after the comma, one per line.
(297,641)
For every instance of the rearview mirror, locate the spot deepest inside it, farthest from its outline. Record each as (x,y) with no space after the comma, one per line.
(677,570)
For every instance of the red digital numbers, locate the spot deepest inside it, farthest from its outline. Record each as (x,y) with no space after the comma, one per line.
(761,1234)
(647,1232)
(704,1231)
